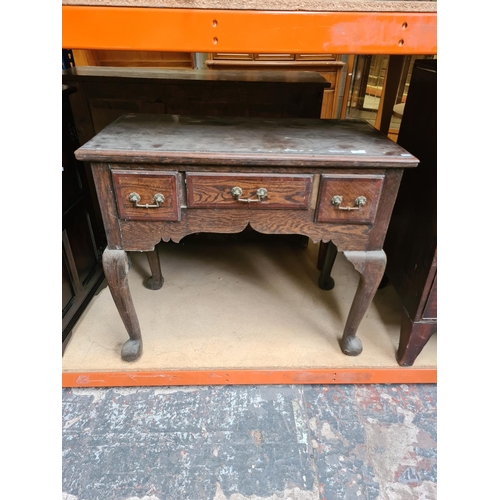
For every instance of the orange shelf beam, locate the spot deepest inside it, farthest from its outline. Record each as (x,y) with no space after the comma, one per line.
(400,375)
(191,30)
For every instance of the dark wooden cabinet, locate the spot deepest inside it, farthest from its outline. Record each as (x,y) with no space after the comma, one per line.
(329,66)
(82,245)
(411,242)
(104,94)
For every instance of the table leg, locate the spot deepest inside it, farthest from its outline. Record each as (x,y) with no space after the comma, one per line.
(325,281)
(321,255)
(371,267)
(116,265)
(155,282)
(413,338)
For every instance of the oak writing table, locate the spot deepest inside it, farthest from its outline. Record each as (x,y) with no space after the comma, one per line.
(162,177)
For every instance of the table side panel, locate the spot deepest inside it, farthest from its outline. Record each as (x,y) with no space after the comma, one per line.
(430,311)
(384,211)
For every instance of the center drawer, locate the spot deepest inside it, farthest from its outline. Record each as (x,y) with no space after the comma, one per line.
(213,190)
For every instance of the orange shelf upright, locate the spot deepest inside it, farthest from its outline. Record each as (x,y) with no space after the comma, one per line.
(192,30)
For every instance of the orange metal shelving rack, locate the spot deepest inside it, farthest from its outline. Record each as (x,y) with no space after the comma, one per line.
(194,30)
(209,30)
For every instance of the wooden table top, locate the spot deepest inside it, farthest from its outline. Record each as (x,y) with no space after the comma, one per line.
(256,141)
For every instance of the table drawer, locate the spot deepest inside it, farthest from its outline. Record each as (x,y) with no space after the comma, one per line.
(349,198)
(213,190)
(142,195)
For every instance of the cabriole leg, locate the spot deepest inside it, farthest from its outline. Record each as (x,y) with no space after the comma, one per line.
(371,267)
(116,267)
(155,282)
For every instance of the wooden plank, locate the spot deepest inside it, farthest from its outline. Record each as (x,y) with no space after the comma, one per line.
(71,76)
(365,375)
(192,30)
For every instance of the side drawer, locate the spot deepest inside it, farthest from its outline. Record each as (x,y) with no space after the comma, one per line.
(212,190)
(146,185)
(349,198)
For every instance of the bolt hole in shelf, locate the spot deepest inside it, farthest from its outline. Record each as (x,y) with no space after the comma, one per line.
(404,26)
(215,40)
(214,23)
(401,42)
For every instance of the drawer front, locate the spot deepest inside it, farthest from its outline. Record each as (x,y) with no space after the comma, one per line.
(349,198)
(147,185)
(212,190)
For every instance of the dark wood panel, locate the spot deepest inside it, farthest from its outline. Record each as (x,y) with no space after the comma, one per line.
(430,311)
(81,266)
(413,338)
(411,242)
(81,242)
(68,293)
(211,190)
(105,93)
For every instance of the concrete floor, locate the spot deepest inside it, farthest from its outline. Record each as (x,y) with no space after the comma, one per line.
(307,442)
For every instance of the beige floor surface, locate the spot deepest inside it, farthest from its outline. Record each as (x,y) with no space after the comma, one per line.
(233,305)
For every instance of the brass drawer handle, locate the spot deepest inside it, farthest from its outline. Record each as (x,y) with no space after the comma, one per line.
(261,193)
(157,198)
(359,202)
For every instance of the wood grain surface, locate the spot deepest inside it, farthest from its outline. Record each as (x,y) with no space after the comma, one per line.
(251,141)
(213,190)
(143,236)
(112,74)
